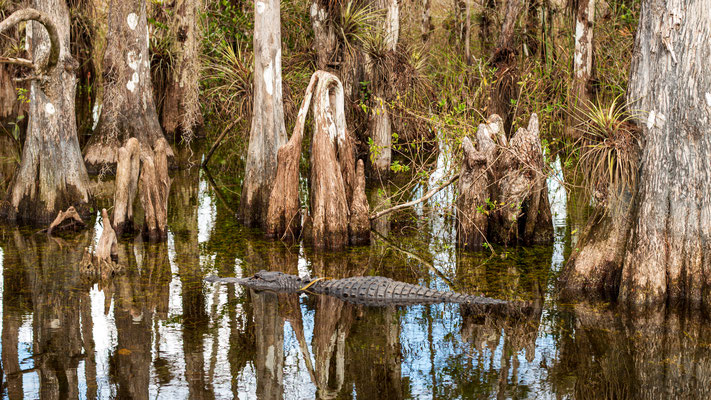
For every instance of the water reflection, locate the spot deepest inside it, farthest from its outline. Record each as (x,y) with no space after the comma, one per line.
(159,332)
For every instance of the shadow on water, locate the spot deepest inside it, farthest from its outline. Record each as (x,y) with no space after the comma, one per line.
(159,331)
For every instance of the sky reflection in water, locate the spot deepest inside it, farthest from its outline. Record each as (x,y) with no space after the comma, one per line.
(160,332)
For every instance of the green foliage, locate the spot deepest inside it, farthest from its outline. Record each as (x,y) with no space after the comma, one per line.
(609,148)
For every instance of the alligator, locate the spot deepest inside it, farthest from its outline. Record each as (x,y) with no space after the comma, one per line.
(366,290)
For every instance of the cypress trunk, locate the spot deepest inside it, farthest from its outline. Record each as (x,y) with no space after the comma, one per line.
(268,132)
(128,109)
(51,176)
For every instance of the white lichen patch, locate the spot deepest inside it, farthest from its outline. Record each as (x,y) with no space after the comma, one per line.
(132,21)
(650,119)
(261,7)
(708,99)
(49,109)
(133,83)
(95,114)
(133,62)
(269,79)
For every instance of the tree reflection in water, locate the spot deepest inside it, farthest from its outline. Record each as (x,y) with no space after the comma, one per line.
(160,332)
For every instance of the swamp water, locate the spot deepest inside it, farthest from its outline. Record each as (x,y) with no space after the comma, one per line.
(159,331)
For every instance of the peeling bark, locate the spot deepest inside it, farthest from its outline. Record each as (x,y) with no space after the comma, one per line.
(52,176)
(128,108)
(268,133)
(662,250)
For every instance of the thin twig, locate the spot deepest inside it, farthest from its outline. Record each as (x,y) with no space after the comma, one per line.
(218,141)
(414,202)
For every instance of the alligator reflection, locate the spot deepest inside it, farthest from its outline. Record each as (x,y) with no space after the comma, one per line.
(160,332)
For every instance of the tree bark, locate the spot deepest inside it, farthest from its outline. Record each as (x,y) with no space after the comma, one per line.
(181,107)
(52,176)
(324,32)
(127,171)
(154,186)
(582,64)
(359,223)
(661,251)
(475,188)
(284,215)
(426,26)
(128,109)
(268,132)
(523,212)
(332,165)
(666,256)
(381,125)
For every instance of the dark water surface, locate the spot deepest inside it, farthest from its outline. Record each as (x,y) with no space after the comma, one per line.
(160,332)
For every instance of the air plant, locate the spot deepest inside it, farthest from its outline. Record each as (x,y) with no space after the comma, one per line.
(609,148)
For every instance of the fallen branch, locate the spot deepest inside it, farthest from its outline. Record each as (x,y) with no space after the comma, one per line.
(417,201)
(23,62)
(30,14)
(218,141)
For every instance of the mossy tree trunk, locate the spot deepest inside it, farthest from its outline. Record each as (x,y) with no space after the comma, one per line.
(268,132)
(51,176)
(128,108)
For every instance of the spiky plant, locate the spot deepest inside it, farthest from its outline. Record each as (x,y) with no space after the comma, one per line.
(228,79)
(609,149)
(356,22)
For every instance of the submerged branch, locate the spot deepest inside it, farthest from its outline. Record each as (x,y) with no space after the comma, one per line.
(30,14)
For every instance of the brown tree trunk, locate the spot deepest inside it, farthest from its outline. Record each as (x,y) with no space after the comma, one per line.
(663,254)
(667,253)
(154,186)
(127,171)
(582,65)
(51,176)
(332,167)
(523,213)
(426,26)
(268,133)
(284,215)
(475,188)
(359,223)
(181,107)
(128,109)
(503,58)
(324,32)
(381,125)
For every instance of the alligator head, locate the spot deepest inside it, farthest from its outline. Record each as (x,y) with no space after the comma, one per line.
(274,280)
